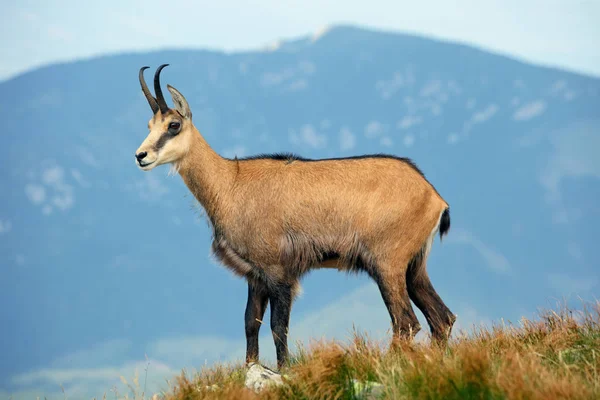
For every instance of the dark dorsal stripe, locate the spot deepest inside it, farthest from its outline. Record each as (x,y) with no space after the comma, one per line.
(290,157)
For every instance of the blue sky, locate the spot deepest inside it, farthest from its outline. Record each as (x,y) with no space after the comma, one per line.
(554,32)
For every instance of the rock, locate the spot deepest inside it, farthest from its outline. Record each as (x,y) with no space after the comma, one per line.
(368,389)
(259,377)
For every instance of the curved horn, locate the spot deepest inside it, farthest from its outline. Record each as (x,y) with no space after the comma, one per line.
(149,97)
(158,91)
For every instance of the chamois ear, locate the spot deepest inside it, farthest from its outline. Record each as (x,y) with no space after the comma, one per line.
(180,102)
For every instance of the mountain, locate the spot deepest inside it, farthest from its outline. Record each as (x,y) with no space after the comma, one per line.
(96,254)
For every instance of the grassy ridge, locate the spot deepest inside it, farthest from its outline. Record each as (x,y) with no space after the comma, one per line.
(555,356)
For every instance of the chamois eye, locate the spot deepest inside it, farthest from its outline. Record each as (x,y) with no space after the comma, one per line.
(174,127)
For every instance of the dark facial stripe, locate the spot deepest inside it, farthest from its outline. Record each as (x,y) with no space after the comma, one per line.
(164,138)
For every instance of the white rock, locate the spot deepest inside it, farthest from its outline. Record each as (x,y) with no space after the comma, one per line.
(259,377)
(367,389)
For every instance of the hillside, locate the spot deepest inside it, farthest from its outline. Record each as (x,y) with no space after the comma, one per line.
(511,146)
(551,357)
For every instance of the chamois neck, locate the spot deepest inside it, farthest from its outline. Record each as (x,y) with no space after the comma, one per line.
(207,175)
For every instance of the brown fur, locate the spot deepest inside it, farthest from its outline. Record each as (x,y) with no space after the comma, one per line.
(275,219)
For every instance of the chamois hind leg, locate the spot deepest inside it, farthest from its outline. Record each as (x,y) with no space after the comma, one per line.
(281,298)
(258,297)
(392,285)
(421,292)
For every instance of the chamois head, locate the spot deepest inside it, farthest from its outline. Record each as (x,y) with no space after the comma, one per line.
(171,130)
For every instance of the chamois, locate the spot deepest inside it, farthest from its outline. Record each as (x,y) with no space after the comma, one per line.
(275,217)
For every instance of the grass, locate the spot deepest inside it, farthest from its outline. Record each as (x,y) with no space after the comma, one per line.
(555,356)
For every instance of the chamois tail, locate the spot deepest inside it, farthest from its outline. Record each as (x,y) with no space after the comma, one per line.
(445,223)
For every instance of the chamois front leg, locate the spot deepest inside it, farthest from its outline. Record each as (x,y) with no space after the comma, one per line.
(258,298)
(281,305)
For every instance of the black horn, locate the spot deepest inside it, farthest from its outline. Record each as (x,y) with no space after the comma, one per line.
(158,91)
(149,97)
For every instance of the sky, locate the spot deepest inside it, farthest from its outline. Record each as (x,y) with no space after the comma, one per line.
(561,33)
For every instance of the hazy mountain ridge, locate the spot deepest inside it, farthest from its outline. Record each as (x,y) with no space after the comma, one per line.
(83,231)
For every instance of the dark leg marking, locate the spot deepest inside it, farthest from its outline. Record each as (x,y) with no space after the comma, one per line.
(421,292)
(393,290)
(255,310)
(281,305)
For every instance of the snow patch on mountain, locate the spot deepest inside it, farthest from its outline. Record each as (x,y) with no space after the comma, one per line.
(530,110)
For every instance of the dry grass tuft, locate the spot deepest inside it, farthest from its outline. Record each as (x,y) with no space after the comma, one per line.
(554,357)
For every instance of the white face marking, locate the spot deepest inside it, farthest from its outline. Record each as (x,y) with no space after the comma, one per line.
(162,147)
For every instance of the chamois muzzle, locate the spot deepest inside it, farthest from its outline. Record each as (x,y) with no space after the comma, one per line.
(158,91)
(140,156)
(140,159)
(149,97)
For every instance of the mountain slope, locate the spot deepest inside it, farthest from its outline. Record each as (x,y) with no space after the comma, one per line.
(93,249)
